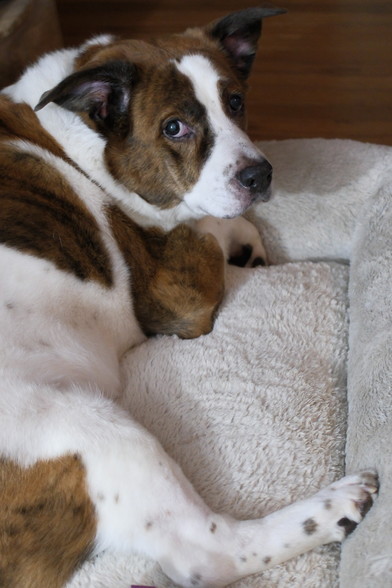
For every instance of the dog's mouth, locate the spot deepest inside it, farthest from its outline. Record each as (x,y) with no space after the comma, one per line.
(242,204)
(231,192)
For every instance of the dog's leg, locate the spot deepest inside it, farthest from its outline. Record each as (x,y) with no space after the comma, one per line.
(196,547)
(238,238)
(141,500)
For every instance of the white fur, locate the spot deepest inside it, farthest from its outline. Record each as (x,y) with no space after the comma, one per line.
(216,193)
(230,233)
(81,143)
(61,341)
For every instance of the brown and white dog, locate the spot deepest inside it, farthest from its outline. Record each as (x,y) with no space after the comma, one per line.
(131,140)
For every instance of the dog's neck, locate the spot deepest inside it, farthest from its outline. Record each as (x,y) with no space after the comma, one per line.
(82,144)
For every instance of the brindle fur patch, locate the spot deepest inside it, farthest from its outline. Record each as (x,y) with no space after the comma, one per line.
(159,169)
(47,522)
(177,277)
(18,121)
(39,212)
(145,161)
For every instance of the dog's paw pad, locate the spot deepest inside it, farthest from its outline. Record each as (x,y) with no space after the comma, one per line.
(259,261)
(246,256)
(348,525)
(241,257)
(347,501)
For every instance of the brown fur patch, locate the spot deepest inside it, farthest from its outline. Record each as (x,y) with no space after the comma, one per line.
(160,169)
(177,277)
(18,121)
(39,212)
(47,522)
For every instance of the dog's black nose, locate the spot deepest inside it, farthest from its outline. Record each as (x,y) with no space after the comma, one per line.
(256,178)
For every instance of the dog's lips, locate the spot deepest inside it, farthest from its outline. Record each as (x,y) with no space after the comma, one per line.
(264,196)
(243,199)
(237,203)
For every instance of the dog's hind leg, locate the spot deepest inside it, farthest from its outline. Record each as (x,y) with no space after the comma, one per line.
(202,549)
(145,503)
(131,496)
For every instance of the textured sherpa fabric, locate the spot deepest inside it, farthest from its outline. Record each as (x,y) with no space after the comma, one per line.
(333,201)
(321,186)
(255,412)
(367,557)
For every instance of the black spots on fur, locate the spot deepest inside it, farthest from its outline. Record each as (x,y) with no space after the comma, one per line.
(328,504)
(100,496)
(149,525)
(213,528)
(243,559)
(196,579)
(310,526)
(348,525)
(267,560)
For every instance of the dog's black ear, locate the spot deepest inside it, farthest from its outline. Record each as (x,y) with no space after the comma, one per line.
(238,34)
(102,92)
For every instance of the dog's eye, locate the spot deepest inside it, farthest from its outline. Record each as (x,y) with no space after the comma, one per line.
(176,129)
(236,102)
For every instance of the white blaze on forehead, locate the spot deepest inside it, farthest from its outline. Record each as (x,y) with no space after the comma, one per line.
(205,80)
(216,193)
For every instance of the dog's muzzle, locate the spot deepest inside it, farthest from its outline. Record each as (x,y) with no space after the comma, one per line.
(257,179)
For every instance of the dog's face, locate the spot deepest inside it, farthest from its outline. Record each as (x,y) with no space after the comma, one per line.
(173,115)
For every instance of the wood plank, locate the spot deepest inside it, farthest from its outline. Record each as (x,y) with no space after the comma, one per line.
(324,69)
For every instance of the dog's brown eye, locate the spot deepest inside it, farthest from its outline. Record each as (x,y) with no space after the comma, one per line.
(236,102)
(176,129)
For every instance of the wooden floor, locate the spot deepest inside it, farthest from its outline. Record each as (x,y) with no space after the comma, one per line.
(324,69)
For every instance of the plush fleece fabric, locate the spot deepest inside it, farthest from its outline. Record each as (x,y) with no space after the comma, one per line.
(256,412)
(370,390)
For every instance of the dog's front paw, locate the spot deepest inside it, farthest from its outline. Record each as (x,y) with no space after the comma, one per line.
(238,238)
(345,504)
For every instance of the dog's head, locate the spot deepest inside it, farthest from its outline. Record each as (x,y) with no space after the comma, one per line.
(172,113)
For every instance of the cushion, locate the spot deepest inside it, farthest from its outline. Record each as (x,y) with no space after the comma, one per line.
(255,412)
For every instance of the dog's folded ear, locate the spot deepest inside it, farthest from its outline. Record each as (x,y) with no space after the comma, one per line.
(238,34)
(102,92)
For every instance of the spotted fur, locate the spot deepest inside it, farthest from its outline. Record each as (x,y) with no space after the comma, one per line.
(105,151)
